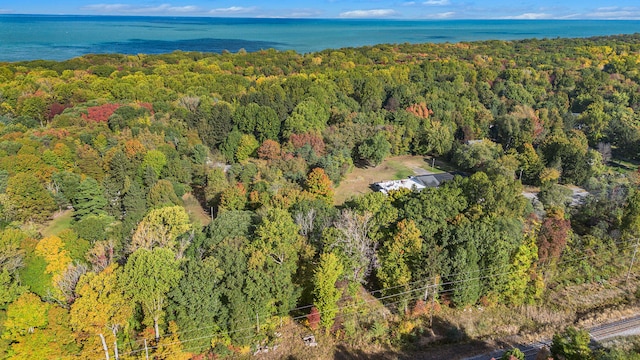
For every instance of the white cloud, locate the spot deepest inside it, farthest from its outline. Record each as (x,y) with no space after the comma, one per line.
(6,11)
(368,13)
(136,9)
(436,2)
(616,13)
(232,10)
(304,13)
(530,16)
(408,3)
(444,15)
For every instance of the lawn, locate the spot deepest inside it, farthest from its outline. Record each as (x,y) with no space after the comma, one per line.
(61,221)
(393,168)
(194,209)
(623,166)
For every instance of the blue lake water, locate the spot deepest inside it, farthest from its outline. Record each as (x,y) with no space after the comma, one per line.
(31,37)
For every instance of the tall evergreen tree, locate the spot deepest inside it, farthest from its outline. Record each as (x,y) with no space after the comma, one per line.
(195,304)
(89,199)
(135,206)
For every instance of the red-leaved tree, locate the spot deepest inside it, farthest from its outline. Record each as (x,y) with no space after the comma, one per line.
(553,235)
(314,318)
(100,113)
(313,140)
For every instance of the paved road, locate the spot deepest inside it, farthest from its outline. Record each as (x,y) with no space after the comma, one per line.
(625,327)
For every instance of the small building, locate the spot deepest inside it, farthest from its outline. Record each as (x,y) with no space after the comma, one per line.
(418,182)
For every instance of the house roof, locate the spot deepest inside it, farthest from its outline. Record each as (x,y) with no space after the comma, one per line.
(410,183)
(433,180)
(414,182)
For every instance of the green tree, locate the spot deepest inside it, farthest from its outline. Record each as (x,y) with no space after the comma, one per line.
(213,122)
(375,149)
(229,224)
(94,227)
(135,206)
(571,344)
(230,145)
(196,303)
(216,184)
(147,278)
(11,260)
(465,282)
(247,146)
(28,198)
(156,159)
(162,194)
(66,184)
(161,227)
(513,354)
(308,115)
(398,256)
(275,252)
(326,294)
(89,199)
(436,139)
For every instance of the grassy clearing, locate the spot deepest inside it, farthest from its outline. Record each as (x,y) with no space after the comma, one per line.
(401,171)
(60,222)
(358,182)
(196,213)
(623,166)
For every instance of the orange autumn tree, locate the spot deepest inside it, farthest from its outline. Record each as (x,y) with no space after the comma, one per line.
(269,150)
(319,185)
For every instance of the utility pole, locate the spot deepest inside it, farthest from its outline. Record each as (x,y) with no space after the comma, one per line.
(433,301)
(633,258)
(104,346)
(257,323)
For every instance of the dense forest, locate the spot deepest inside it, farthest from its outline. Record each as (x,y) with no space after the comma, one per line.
(102,158)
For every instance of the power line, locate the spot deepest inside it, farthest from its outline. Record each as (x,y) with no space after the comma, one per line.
(219,324)
(379,299)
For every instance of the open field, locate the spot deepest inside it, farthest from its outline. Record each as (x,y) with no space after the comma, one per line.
(196,213)
(393,168)
(61,221)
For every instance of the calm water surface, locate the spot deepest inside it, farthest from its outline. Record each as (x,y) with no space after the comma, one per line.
(29,37)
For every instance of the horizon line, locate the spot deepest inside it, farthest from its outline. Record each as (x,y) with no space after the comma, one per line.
(318,18)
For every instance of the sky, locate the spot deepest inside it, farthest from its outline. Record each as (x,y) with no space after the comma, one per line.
(379,9)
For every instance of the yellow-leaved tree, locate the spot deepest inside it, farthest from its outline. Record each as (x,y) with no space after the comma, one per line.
(52,249)
(101,307)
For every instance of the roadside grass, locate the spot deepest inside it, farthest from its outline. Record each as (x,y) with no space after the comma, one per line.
(59,223)
(432,169)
